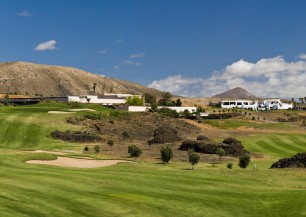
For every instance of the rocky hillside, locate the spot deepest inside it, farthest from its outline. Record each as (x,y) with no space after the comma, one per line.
(35,79)
(236,93)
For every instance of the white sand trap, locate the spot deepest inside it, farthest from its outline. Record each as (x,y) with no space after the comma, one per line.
(84,109)
(77,163)
(60,112)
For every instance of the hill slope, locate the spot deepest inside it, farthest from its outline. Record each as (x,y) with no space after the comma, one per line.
(236,93)
(36,79)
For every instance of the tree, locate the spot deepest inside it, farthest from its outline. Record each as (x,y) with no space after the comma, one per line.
(166,154)
(94,85)
(165,99)
(134,151)
(194,159)
(178,103)
(244,161)
(85,149)
(110,143)
(149,98)
(6,99)
(220,152)
(134,101)
(97,149)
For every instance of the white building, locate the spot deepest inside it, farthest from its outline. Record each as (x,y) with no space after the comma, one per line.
(242,104)
(271,104)
(95,99)
(274,104)
(146,108)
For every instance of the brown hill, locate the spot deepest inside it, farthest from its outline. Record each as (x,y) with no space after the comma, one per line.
(236,93)
(36,79)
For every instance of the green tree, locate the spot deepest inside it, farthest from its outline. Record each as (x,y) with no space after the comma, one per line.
(6,99)
(178,103)
(149,98)
(134,151)
(244,161)
(134,101)
(86,149)
(220,152)
(165,99)
(110,143)
(94,85)
(166,154)
(97,149)
(194,159)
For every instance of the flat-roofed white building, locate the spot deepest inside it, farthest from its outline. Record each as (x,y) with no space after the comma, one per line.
(243,104)
(270,104)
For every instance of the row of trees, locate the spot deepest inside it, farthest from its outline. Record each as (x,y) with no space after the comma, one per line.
(166,155)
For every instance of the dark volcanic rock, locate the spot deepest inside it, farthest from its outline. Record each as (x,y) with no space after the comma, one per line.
(296,161)
(202,137)
(165,134)
(232,148)
(76,136)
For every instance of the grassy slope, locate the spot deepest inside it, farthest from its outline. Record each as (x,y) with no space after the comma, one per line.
(143,189)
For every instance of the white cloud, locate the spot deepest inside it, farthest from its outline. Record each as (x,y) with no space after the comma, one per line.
(24,14)
(269,77)
(119,41)
(116,67)
(104,51)
(302,56)
(137,55)
(48,45)
(129,62)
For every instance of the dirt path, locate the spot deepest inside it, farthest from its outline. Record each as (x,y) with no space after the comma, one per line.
(77,163)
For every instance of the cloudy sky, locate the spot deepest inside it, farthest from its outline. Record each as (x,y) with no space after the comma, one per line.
(191,48)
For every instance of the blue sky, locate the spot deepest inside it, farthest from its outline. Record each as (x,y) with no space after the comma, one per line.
(192,48)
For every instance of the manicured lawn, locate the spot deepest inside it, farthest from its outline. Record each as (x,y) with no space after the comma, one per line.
(235,123)
(144,188)
(147,190)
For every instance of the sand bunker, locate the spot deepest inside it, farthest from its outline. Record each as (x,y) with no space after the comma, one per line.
(59,112)
(77,163)
(79,110)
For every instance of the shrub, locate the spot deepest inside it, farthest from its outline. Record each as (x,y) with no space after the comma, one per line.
(134,151)
(76,136)
(244,161)
(125,135)
(166,154)
(194,159)
(111,122)
(229,165)
(97,149)
(85,149)
(94,116)
(74,105)
(110,143)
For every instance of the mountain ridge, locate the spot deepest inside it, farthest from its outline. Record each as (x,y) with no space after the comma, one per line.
(27,78)
(235,93)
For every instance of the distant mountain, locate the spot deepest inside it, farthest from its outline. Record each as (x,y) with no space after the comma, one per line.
(36,79)
(236,93)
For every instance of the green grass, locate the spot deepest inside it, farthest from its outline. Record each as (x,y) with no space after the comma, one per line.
(277,145)
(141,189)
(235,123)
(147,190)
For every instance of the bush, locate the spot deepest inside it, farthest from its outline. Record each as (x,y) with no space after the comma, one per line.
(74,105)
(229,165)
(85,149)
(94,116)
(166,154)
(168,112)
(244,161)
(134,151)
(97,149)
(194,159)
(110,143)
(125,135)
